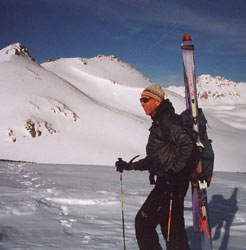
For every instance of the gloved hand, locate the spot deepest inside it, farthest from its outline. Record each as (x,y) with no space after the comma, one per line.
(169,177)
(123,165)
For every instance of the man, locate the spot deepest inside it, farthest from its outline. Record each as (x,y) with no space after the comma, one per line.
(168,150)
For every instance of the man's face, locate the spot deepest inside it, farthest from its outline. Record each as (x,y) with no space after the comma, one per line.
(149,105)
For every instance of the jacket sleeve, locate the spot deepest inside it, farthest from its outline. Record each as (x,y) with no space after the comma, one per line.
(170,152)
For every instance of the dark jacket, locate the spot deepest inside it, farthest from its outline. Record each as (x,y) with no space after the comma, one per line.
(169,146)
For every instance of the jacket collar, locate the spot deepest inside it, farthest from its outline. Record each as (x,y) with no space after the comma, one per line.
(165,108)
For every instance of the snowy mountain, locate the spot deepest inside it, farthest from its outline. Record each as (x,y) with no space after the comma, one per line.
(217,90)
(221,91)
(87,111)
(48,119)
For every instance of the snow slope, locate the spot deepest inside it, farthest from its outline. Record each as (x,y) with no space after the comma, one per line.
(106,79)
(87,111)
(47,119)
(103,67)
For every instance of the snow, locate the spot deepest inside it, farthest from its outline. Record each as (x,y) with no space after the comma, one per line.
(75,111)
(87,111)
(44,206)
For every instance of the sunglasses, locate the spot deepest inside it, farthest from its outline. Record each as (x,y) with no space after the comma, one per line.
(145,99)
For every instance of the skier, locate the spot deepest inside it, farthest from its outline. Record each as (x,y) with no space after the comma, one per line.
(168,150)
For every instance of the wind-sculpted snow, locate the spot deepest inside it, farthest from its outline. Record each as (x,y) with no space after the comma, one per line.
(45,206)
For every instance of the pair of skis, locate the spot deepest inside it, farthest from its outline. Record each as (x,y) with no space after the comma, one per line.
(199,189)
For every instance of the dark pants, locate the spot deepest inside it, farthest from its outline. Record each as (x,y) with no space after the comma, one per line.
(155,211)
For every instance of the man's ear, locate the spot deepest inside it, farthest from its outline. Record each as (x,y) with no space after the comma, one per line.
(157,103)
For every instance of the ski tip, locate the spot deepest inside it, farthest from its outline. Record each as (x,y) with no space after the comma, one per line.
(186,37)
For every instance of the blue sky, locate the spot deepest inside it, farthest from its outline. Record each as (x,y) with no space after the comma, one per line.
(144,33)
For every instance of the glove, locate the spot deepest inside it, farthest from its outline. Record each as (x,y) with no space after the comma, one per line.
(123,165)
(169,177)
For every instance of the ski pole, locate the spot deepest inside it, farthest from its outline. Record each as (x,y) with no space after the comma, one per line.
(170,216)
(122,209)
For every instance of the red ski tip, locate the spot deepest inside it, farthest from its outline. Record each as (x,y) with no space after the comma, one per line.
(186,37)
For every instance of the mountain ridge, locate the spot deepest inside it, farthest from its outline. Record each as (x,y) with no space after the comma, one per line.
(66,114)
(216,89)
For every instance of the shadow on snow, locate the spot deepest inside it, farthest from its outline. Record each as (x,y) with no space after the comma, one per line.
(222,212)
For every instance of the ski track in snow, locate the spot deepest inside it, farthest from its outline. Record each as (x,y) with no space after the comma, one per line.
(78,207)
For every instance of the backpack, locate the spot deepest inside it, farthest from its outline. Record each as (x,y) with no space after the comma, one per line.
(205,154)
